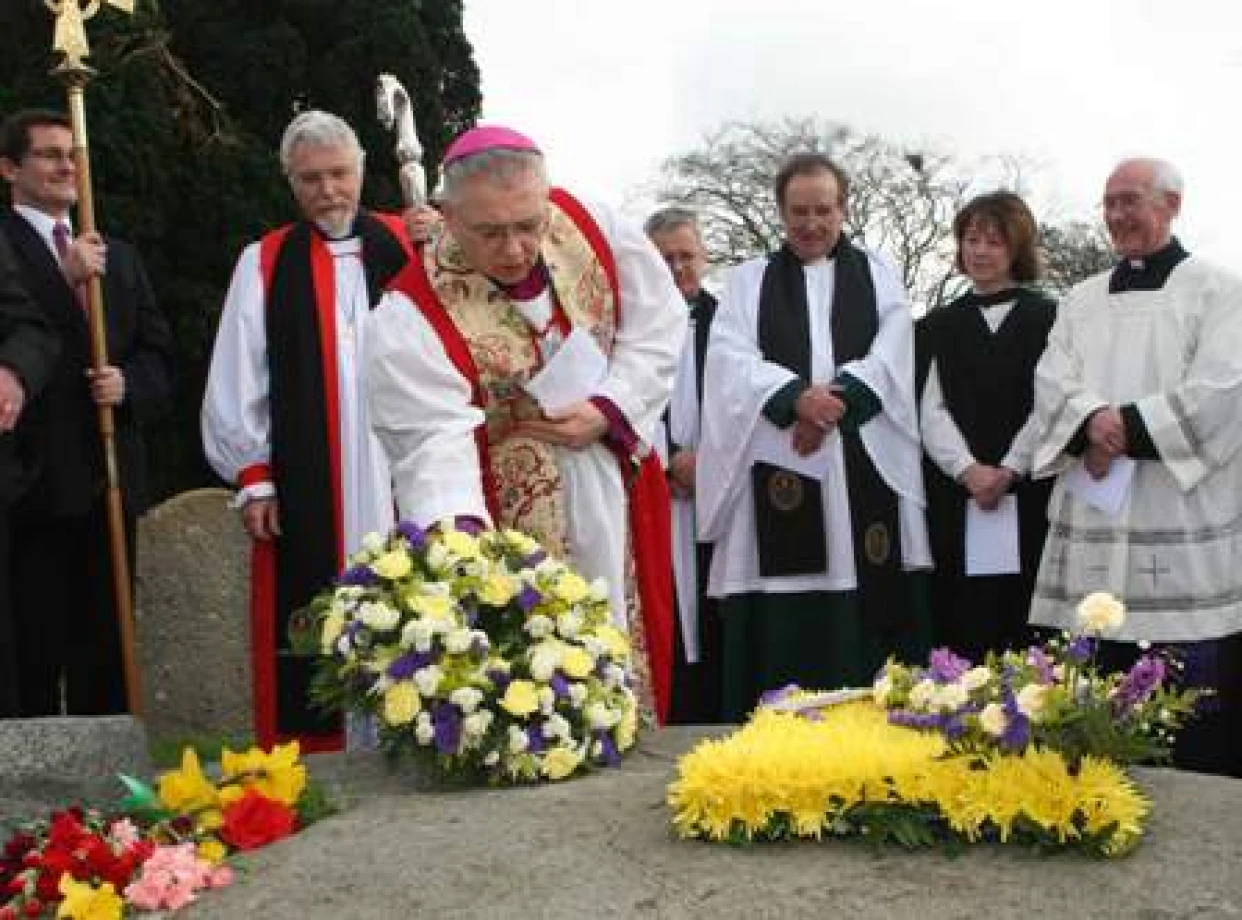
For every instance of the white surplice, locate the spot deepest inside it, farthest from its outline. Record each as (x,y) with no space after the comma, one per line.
(1173,550)
(683,430)
(738,382)
(421,409)
(236,422)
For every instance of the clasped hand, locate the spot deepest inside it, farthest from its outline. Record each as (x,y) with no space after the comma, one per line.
(576,426)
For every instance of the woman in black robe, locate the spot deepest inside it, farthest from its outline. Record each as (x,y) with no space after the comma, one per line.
(976,377)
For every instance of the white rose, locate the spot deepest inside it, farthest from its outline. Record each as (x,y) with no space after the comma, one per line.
(424,732)
(569,624)
(540,626)
(477,724)
(437,556)
(518,740)
(922,693)
(600,716)
(378,616)
(545,658)
(1100,612)
(577,694)
(976,678)
(466,698)
(597,748)
(428,680)
(614,675)
(373,542)
(948,697)
(1030,700)
(557,726)
(992,719)
(417,634)
(458,641)
(492,758)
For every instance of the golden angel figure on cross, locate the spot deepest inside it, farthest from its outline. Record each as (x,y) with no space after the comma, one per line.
(69,31)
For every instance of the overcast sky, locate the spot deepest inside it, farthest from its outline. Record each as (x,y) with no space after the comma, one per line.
(609,89)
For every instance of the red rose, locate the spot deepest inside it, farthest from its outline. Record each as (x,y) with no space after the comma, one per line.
(8,912)
(33,908)
(254,821)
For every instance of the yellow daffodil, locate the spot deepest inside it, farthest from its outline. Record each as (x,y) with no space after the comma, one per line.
(83,901)
(187,790)
(212,850)
(521,698)
(432,606)
(277,774)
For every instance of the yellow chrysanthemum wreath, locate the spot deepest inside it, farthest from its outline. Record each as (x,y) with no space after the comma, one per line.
(851,772)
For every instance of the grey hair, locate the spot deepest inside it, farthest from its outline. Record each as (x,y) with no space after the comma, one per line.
(498,164)
(315,128)
(1165,177)
(672,218)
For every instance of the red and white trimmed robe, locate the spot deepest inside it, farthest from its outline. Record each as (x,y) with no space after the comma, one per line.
(284,414)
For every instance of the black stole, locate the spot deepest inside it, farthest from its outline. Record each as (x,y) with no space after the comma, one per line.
(307,553)
(784,336)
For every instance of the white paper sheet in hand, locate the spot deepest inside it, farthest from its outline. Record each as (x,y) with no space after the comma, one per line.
(1107,494)
(770,444)
(573,374)
(992,538)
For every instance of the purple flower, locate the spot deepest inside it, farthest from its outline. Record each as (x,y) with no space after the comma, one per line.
(446,719)
(945,666)
(480,647)
(609,756)
(359,576)
(1140,681)
(468,524)
(528,599)
(500,678)
(405,666)
(534,740)
(781,693)
(559,685)
(919,720)
(1037,658)
(1080,650)
(415,535)
(534,559)
(1017,726)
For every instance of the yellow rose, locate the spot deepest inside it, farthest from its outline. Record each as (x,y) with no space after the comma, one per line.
(460,544)
(521,542)
(497,590)
(393,564)
(560,762)
(577,663)
(1031,699)
(521,698)
(992,719)
(1100,612)
(616,642)
(571,588)
(401,703)
(432,606)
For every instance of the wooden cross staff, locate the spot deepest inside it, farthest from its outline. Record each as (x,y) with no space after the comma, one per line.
(69,40)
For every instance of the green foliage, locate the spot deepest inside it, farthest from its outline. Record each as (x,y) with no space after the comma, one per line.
(184,120)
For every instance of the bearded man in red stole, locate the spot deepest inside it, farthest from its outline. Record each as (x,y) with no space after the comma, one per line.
(478,416)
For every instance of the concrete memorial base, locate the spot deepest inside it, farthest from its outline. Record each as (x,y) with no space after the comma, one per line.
(602,847)
(58,761)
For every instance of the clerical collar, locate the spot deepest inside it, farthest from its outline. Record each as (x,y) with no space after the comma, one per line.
(1148,273)
(995,299)
(529,287)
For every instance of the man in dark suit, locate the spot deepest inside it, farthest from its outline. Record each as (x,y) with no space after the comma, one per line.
(28,351)
(696,667)
(66,622)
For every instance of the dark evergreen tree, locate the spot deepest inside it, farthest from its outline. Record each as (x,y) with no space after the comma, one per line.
(185,118)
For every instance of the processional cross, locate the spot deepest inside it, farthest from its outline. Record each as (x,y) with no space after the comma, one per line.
(69,40)
(396,113)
